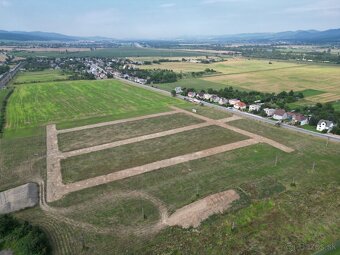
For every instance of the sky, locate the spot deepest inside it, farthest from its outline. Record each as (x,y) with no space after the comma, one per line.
(162,19)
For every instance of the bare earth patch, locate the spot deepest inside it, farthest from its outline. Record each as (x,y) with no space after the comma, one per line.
(193,214)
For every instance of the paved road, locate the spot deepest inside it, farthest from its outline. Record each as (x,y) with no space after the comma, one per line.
(244,114)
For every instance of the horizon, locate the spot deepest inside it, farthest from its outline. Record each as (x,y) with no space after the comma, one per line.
(159,19)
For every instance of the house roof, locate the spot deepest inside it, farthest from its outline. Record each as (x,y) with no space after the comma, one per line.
(299,117)
(328,122)
(279,112)
(241,104)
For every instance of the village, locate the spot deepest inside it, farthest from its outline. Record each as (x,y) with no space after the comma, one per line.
(280,115)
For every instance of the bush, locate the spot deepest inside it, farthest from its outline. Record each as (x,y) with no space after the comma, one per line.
(22,237)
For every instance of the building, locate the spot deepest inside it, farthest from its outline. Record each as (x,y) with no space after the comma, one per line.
(207,96)
(234,101)
(191,94)
(269,111)
(240,106)
(300,119)
(200,95)
(254,107)
(178,90)
(280,114)
(214,99)
(324,125)
(223,101)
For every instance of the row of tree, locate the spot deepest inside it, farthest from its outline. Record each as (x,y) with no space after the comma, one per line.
(4,69)
(154,76)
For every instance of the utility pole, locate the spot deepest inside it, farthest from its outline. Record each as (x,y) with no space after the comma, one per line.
(276,159)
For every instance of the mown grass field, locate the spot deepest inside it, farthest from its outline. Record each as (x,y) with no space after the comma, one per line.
(40,76)
(285,208)
(66,103)
(259,75)
(112,52)
(119,158)
(100,135)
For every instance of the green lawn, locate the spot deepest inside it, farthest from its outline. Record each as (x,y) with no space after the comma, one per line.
(111,160)
(311,92)
(40,76)
(73,103)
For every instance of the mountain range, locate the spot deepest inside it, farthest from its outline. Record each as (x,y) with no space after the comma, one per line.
(300,36)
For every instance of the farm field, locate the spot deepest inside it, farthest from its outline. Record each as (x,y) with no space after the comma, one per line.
(68,102)
(260,76)
(112,52)
(279,191)
(40,76)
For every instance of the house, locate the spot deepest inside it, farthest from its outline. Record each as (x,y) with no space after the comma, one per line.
(280,114)
(269,111)
(301,119)
(191,94)
(234,101)
(200,95)
(290,115)
(254,107)
(178,90)
(240,106)
(324,125)
(207,96)
(223,101)
(214,99)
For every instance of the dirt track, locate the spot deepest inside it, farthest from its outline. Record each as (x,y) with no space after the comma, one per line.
(193,214)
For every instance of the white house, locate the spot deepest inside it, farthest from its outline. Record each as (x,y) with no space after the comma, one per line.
(254,107)
(280,114)
(234,101)
(178,90)
(223,101)
(214,99)
(207,96)
(269,111)
(324,125)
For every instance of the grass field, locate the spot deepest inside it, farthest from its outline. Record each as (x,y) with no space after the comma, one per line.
(113,52)
(95,136)
(40,76)
(119,158)
(67,102)
(285,207)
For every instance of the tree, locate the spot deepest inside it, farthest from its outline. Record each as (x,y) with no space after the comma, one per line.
(173,93)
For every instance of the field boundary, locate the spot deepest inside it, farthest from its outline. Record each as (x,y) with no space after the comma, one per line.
(56,189)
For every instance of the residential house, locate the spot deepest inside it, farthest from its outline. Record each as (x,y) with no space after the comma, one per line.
(214,99)
(254,107)
(299,118)
(192,94)
(178,90)
(234,101)
(240,106)
(207,96)
(223,101)
(269,111)
(200,95)
(280,114)
(290,115)
(324,125)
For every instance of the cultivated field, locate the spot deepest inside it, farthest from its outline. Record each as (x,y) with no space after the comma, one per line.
(261,76)
(119,189)
(40,76)
(67,102)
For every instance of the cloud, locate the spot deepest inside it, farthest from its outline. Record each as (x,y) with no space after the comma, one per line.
(168,5)
(324,7)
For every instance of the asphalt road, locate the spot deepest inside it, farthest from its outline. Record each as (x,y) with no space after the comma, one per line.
(329,137)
